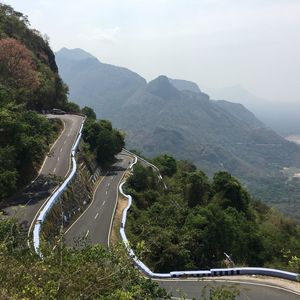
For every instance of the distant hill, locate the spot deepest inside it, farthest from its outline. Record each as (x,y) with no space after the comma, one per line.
(73,55)
(101,86)
(176,117)
(213,134)
(281,116)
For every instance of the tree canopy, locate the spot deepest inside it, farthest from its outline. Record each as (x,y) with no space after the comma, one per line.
(104,141)
(192,223)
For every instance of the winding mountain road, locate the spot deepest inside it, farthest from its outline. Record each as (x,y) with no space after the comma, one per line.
(28,202)
(58,160)
(96,221)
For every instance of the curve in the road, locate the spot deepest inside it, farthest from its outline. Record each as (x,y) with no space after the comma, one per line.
(45,208)
(57,162)
(95,223)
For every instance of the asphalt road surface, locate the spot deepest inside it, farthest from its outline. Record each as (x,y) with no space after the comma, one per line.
(58,161)
(195,289)
(27,202)
(94,224)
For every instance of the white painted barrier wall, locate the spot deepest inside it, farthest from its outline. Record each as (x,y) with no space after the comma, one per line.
(52,200)
(198,273)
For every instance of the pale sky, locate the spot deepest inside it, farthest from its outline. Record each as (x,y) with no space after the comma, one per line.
(216,43)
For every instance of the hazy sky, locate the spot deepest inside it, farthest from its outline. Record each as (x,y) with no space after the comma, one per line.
(216,43)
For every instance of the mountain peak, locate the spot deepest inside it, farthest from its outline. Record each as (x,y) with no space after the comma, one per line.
(162,87)
(185,85)
(76,54)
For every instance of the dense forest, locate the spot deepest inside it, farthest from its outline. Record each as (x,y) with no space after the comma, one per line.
(192,223)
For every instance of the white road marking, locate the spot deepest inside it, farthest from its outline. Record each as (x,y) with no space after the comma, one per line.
(96,216)
(60,149)
(58,158)
(87,233)
(65,141)
(54,170)
(108,184)
(106,193)
(103,203)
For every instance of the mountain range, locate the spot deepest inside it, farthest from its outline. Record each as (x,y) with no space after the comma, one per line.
(174,116)
(282,116)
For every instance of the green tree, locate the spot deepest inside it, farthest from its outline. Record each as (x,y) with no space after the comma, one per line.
(71,107)
(230,191)
(105,147)
(166,164)
(139,180)
(89,112)
(196,188)
(105,141)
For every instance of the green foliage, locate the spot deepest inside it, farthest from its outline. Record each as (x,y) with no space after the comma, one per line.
(25,138)
(89,112)
(294,263)
(223,292)
(230,192)
(192,223)
(142,178)
(166,164)
(196,188)
(105,141)
(72,107)
(91,273)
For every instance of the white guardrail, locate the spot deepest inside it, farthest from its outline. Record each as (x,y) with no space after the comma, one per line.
(45,210)
(200,273)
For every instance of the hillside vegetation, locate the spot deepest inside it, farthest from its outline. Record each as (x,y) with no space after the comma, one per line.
(28,71)
(25,138)
(191,224)
(91,273)
(103,140)
(29,82)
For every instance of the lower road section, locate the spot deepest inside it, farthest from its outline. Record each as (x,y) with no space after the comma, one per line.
(249,290)
(95,223)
